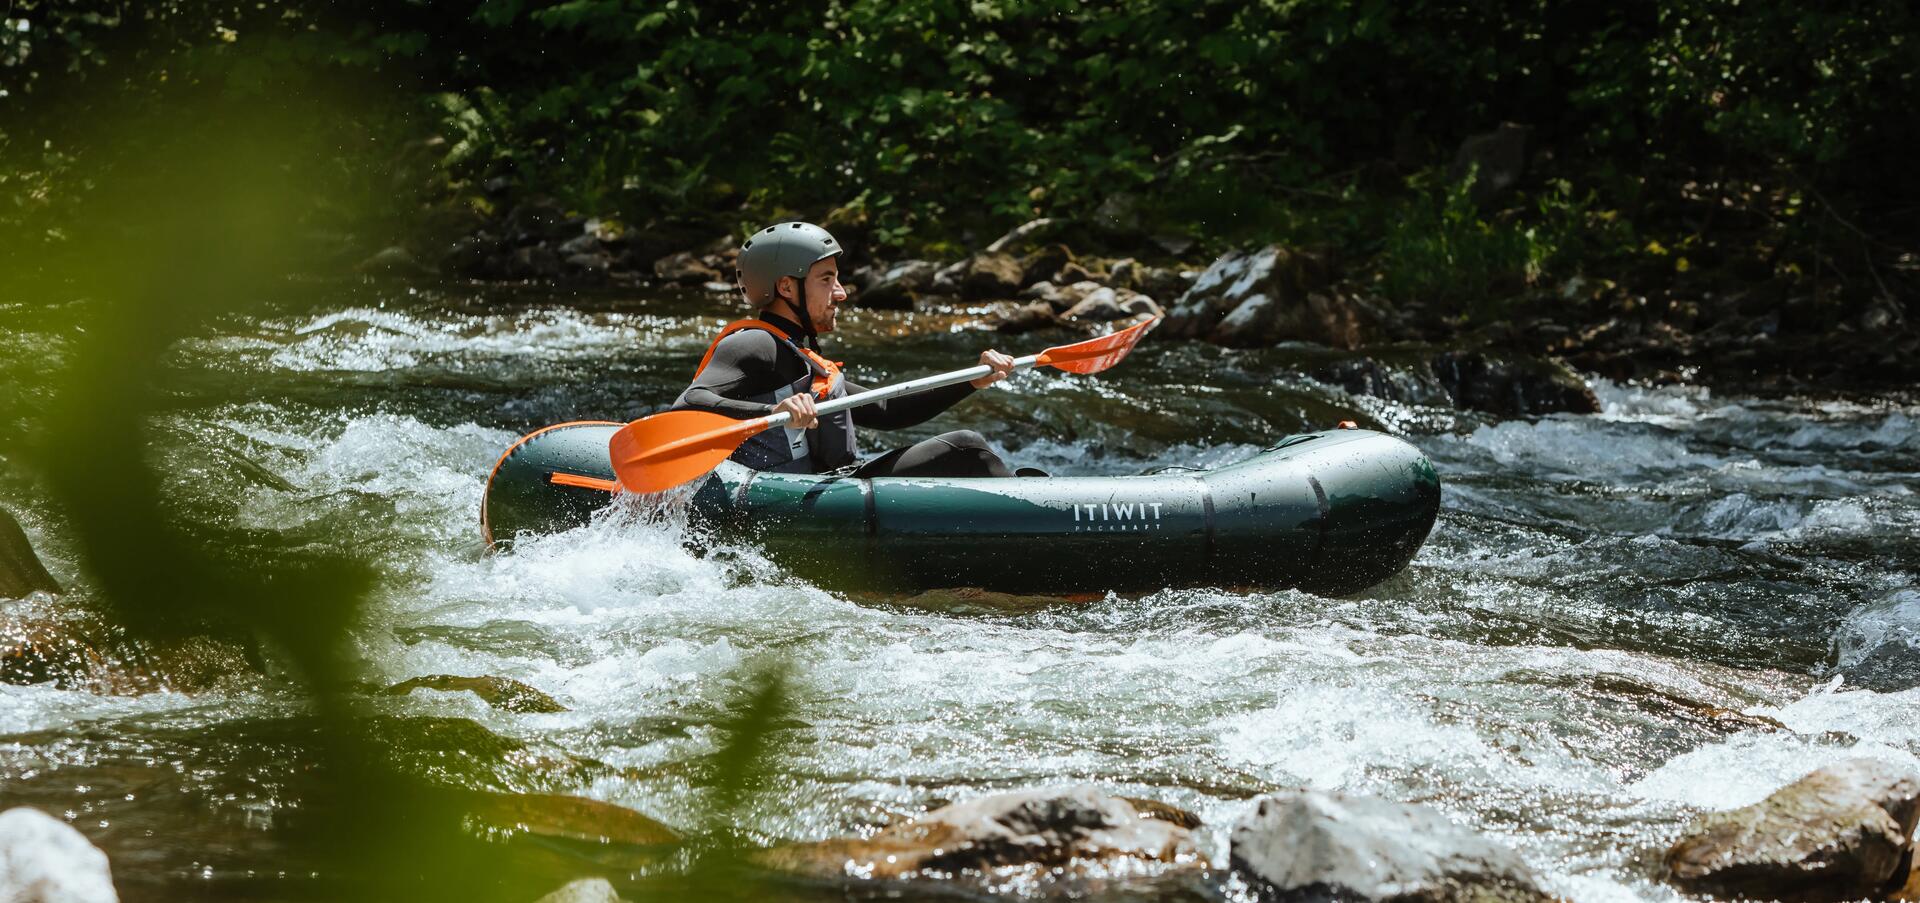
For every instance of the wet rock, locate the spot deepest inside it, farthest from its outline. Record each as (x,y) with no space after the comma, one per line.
(586,243)
(554,815)
(500,692)
(1024,234)
(1104,304)
(1270,295)
(1060,297)
(1166,812)
(1044,264)
(1163,282)
(1878,645)
(1359,848)
(1076,271)
(1028,317)
(1496,159)
(899,287)
(538,220)
(1177,245)
(590,266)
(44,860)
(1515,386)
(20,569)
(533,262)
(685,269)
(36,649)
(987,276)
(393,260)
(1052,832)
(1840,833)
(585,890)
(474,256)
(1124,273)
(1369,376)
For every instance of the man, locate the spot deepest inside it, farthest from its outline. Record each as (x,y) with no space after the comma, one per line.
(791,273)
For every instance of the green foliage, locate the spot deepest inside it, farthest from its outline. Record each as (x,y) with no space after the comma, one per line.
(1443,250)
(941,118)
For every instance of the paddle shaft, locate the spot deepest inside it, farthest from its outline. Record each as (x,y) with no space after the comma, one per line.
(906,388)
(749,427)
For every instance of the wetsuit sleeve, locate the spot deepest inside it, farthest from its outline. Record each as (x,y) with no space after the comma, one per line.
(742,364)
(907,410)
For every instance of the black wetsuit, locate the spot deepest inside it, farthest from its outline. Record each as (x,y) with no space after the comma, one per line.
(754,362)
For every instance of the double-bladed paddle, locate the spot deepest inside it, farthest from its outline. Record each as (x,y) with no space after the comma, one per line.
(657,453)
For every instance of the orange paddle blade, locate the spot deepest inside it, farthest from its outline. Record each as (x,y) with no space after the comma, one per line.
(657,453)
(1095,355)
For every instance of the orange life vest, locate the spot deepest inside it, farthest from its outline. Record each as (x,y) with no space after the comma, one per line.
(826,373)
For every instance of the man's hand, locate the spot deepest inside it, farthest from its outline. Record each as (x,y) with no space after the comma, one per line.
(800,405)
(1002,368)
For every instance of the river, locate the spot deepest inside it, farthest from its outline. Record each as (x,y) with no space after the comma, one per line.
(1585,653)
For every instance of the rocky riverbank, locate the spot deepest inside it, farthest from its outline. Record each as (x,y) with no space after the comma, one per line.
(1737,330)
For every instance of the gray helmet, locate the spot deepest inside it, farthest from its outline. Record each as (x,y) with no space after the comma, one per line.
(787,249)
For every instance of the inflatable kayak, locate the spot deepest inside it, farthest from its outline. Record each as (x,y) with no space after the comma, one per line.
(1331,512)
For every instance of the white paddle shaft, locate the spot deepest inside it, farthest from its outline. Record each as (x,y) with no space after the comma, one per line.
(906,388)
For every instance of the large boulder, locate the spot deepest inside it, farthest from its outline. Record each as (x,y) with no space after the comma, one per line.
(989,276)
(1513,386)
(1310,843)
(1878,645)
(44,860)
(20,569)
(1049,833)
(900,286)
(1841,833)
(1252,298)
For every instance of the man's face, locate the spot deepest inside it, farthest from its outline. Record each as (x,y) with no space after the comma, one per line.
(824,294)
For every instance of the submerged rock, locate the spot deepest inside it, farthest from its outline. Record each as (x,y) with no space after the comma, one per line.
(44,859)
(567,817)
(20,569)
(1513,386)
(1053,833)
(1360,848)
(500,692)
(968,600)
(1840,833)
(1878,645)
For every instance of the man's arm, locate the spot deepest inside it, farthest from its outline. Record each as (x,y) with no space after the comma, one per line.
(907,410)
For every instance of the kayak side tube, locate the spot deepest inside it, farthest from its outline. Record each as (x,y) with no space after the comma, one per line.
(1331,513)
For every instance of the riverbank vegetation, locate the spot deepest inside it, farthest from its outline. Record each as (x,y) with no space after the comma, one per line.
(1666,150)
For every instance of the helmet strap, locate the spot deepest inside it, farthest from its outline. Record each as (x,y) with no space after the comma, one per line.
(799,306)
